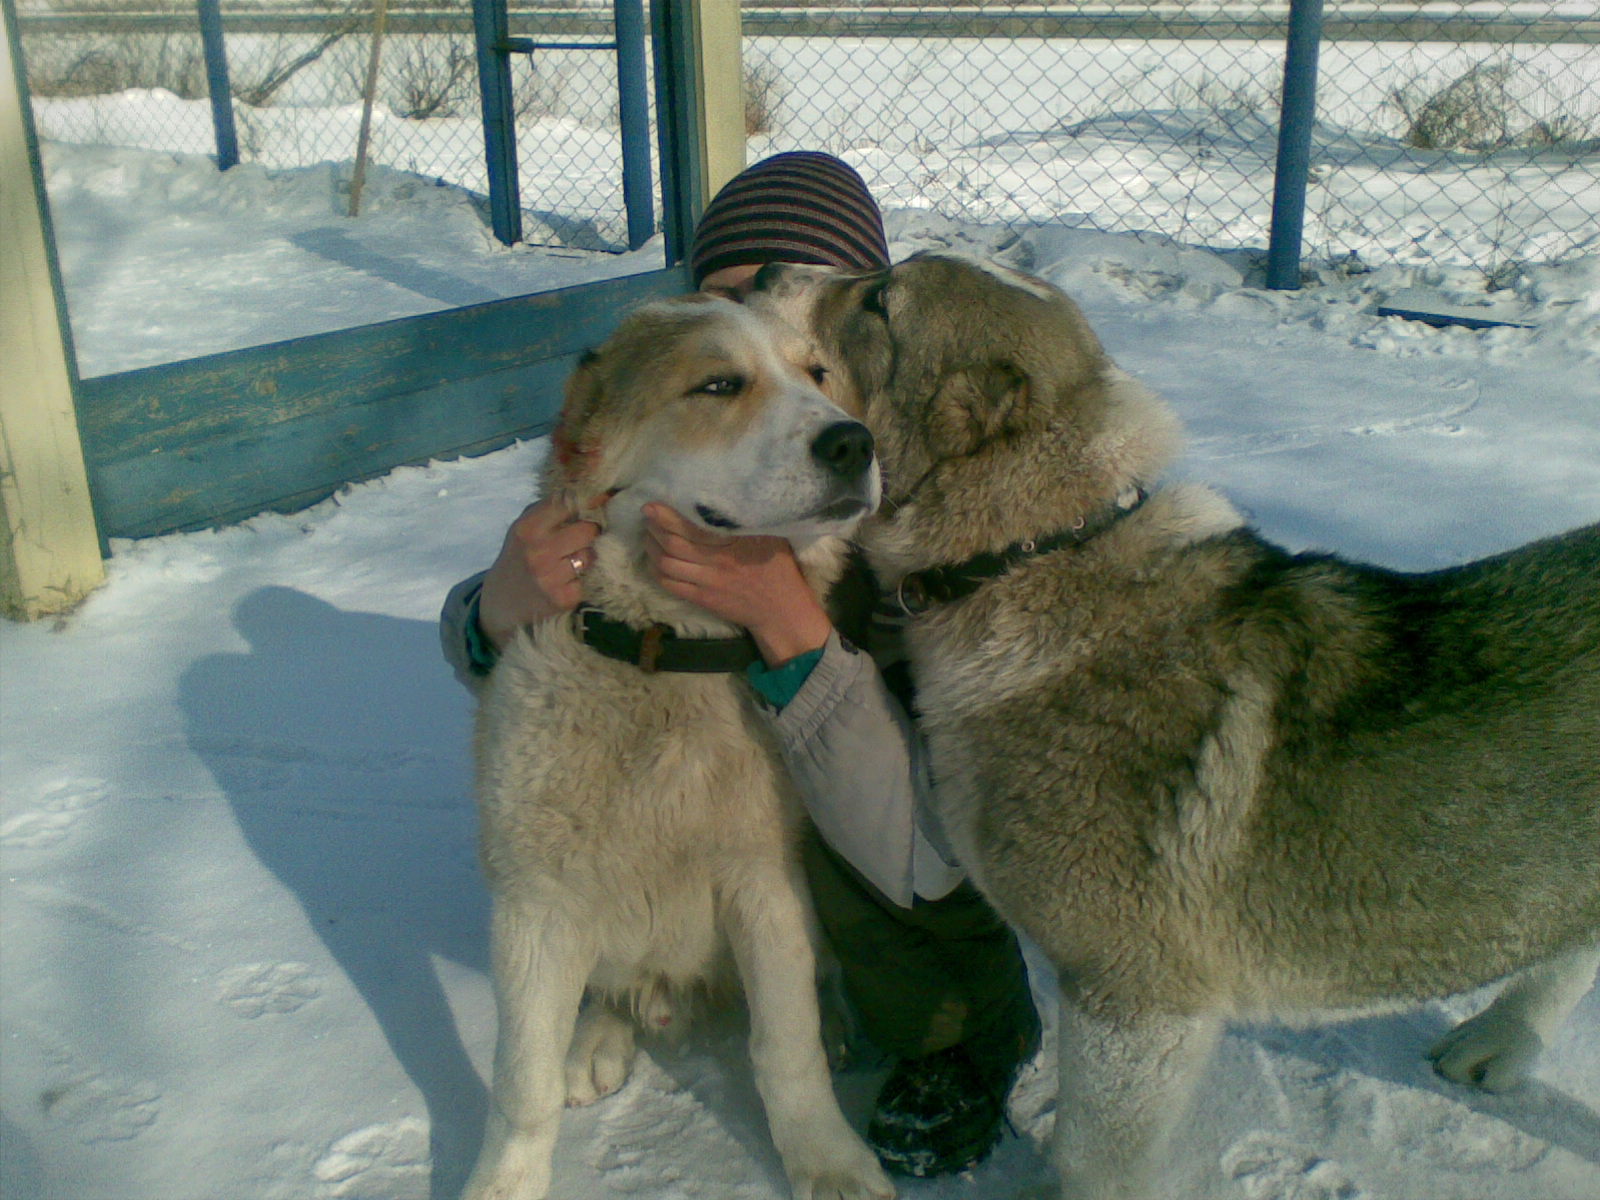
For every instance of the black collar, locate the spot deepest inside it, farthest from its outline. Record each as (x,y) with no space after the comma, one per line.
(921,590)
(659,649)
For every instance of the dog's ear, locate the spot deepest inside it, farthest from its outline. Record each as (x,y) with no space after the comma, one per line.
(974,404)
(573,440)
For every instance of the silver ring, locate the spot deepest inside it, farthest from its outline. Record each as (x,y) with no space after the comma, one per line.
(576,563)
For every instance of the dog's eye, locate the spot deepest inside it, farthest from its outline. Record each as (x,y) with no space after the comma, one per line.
(721,385)
(819,375)
(873,299)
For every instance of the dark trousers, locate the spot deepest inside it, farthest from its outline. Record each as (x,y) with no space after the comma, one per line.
(924,978)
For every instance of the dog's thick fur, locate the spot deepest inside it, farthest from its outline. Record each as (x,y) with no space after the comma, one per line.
(638,830)
(1209,778)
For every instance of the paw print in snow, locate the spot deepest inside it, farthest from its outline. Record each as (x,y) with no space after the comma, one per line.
(380,1162)
(256,989)
(58,810)
(1269,1168)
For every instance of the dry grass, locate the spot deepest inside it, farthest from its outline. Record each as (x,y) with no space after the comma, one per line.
(1494,105)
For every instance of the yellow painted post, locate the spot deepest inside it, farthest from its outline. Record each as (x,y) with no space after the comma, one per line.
(719,32)
(49,547)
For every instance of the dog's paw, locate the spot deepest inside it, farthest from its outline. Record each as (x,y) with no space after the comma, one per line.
(1492,1051)
(599,1059)
(513,1165)
(852,1173)
(840,1184)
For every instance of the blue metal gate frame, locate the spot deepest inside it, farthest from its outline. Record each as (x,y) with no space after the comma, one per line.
(495,48)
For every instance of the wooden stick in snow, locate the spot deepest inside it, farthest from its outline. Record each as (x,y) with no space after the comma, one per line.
(380,18)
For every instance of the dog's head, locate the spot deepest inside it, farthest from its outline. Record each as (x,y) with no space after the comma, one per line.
(997,414)
(718,412)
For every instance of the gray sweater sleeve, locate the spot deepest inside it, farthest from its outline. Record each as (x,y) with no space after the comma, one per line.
(862,770)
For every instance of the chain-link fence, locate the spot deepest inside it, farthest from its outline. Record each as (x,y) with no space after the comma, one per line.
(1458,149)
(112,72)
(1445,134)
(83,63)
(569,141)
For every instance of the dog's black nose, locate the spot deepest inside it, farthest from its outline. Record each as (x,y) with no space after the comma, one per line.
(845,448)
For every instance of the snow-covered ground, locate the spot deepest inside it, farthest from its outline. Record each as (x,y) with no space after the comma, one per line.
(165,258)
(244,933)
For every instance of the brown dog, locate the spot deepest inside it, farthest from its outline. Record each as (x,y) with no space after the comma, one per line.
(1211,780)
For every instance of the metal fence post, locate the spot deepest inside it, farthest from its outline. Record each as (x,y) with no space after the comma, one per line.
(633,112)
(499,120)
(1294,143)
(217,83)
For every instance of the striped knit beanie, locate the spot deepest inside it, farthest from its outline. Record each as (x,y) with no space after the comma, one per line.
(801,207)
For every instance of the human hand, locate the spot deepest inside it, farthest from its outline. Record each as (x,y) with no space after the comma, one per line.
(751,581)
(538,574)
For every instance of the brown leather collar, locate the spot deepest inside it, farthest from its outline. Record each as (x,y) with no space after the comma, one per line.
(658,648)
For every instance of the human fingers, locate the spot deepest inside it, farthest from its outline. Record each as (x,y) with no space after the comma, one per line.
(513,596)
(560,563)
(536,536)
(670,557)
(550,522)
(672,524)
(573,538)
(543,516)
(754,582)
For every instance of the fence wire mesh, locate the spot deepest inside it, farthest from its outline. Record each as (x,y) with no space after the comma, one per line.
(1449,133)
(83,63)
(1445,134)
(132,73)
(1457,151)
(569,146)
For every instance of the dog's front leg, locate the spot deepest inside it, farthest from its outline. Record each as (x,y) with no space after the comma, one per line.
(1497,1049)
(1125,1082)
(767,919)
(540,966)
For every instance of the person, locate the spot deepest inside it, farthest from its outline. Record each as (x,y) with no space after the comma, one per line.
(936,980)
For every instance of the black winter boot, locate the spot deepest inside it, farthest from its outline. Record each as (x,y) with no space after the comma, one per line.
(945,1112)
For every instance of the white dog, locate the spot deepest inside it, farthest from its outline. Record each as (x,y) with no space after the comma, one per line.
(638,829)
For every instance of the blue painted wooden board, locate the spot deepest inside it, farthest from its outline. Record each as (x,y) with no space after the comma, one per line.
(1420,304)
(211,440)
